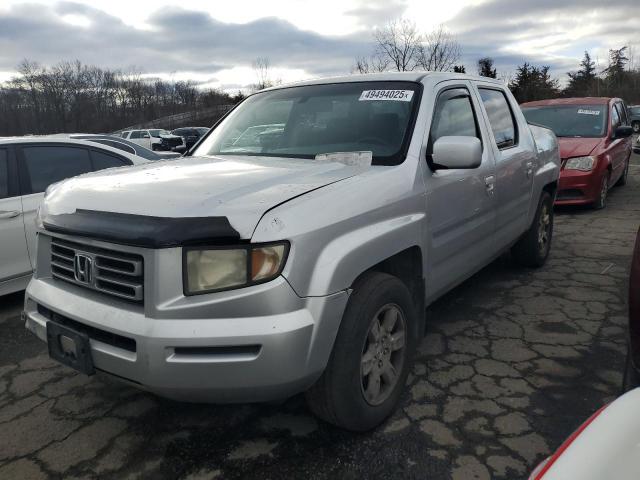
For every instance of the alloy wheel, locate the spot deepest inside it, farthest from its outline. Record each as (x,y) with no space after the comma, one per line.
(544,228)
(383,354)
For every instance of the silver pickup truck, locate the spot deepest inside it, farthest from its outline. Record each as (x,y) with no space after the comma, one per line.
(297,248)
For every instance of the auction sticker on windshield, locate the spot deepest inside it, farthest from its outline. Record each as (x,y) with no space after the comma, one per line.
(393,95)
(588,112)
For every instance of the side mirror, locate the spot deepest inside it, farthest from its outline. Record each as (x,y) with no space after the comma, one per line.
(457,152)
(623,131)
(145,136)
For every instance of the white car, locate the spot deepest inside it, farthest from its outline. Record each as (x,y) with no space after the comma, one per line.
(155,139)
(606,446)
(28,165)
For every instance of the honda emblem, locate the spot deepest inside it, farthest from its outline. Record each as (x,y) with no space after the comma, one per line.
(83,268)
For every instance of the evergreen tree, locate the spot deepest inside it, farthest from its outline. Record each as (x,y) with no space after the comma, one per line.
(485,68)
(583,83)
(615,73)
(533,83)
(459,69)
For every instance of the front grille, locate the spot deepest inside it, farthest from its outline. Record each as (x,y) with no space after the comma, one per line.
(570,194)
(172,142)
(107,271)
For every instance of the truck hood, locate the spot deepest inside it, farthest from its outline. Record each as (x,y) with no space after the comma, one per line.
(239,188)
(577,147)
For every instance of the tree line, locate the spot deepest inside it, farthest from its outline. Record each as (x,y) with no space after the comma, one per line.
(401,46)
(74,97)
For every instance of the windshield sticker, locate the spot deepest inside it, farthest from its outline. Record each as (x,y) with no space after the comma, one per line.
(352,159)
(588,112)
(393,95)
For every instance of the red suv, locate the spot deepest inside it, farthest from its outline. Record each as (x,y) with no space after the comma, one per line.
(595,145)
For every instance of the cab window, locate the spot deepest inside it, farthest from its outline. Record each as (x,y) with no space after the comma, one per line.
(500,116)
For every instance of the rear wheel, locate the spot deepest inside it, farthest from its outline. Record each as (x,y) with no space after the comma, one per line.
(601,201)
(533,247)
(371,357)
(636,127)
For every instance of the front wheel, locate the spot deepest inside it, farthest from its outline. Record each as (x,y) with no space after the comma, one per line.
(533,247)
(371,357)
(636,127)
(601,201)
(622,181)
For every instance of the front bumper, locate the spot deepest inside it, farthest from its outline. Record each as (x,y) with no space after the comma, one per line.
(578,188)
(216,359)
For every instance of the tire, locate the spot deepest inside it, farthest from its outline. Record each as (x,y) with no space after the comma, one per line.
(601,201)
(533,247)
(345,395)
(630,380)
(154,147)
(636,127)
(622,181)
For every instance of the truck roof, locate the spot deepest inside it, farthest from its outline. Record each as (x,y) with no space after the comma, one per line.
(415,76)
(569,101)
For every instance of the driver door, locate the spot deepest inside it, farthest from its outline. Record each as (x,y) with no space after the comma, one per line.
(460,203)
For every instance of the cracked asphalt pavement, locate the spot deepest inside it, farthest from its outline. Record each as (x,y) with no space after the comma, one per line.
(513,361)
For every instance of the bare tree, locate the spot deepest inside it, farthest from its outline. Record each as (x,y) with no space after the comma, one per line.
(261,67)
(371,64)
(399,43)
(439,51)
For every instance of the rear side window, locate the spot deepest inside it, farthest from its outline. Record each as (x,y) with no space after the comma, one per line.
(136,134)
(49,164)
(104,160)
(4,174)
(500,116)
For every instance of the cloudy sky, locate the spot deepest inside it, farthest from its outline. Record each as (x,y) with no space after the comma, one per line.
(214,42)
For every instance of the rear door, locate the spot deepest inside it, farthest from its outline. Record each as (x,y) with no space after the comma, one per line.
(515,164)
(14,257)
(459,202)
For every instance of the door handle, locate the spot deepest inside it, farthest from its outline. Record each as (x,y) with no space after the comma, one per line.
(529,169)
(9,214)
(490,184)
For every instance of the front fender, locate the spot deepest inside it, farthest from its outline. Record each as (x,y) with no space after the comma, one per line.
(345,257)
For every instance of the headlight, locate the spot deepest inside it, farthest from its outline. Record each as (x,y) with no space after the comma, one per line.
(223,268)
(580,163)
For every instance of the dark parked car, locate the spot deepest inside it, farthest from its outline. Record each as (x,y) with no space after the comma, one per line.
(125,145)
(190,134)
(634,117)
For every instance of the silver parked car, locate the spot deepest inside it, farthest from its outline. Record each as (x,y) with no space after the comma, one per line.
(28,165)
(296,249)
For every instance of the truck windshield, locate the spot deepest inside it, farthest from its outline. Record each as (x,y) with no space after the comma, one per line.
(570,120)
(305,121)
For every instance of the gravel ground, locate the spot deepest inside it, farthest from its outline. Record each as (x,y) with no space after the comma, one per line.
(513,361)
